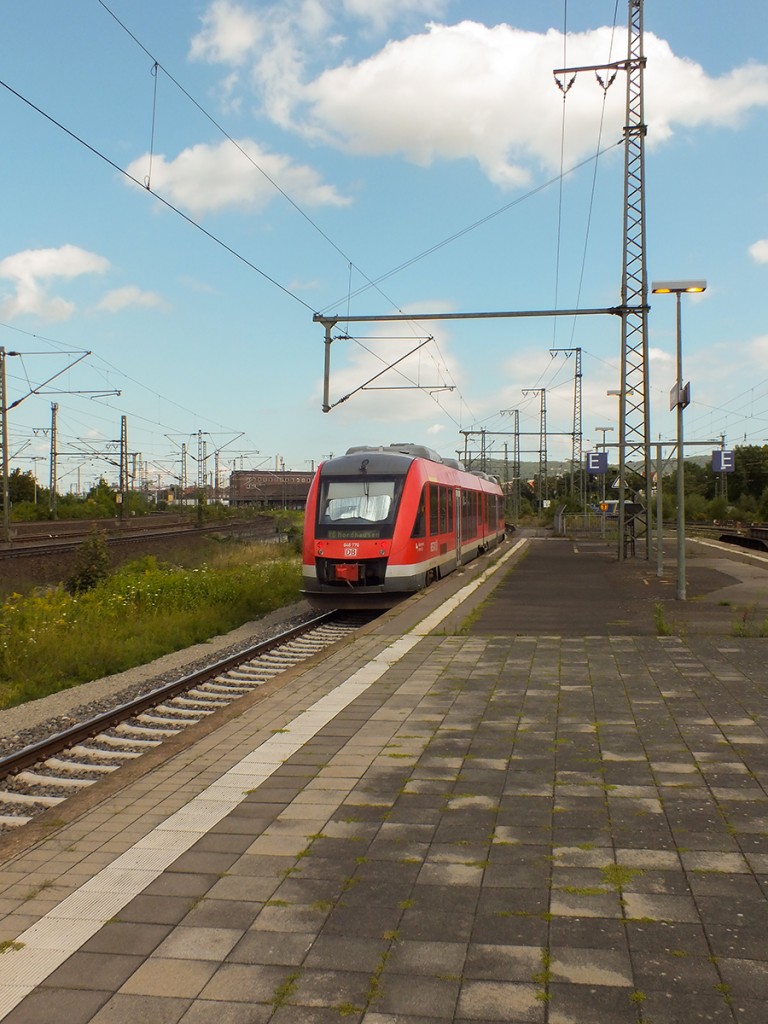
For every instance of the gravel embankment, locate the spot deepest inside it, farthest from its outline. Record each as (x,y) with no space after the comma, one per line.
(26,724)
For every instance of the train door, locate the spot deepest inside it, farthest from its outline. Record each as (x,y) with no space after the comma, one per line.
(457,516)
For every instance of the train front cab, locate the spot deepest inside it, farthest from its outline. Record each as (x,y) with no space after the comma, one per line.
(352,513)
(375,537)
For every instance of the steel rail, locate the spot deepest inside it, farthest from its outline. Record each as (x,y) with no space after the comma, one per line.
(36,752)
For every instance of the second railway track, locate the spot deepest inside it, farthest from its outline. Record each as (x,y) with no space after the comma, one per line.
(44,774)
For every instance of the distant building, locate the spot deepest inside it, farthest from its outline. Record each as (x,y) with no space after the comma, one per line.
(265,489)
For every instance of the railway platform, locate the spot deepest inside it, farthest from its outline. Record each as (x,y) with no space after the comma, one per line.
(537,792)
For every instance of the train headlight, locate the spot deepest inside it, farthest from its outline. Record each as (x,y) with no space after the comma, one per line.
(382,551)
(319,551)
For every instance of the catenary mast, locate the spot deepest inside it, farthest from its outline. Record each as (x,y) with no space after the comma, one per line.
(634,393)
(634,398)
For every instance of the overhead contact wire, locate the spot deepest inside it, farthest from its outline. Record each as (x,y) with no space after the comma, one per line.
(161,199)
(247,156)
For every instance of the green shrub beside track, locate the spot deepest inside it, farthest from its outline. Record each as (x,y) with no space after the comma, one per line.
(52,640)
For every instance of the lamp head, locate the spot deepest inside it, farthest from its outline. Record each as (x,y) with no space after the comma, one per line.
(678,287)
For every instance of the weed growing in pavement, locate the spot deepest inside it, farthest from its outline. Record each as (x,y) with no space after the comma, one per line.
(37,889)
(725,991)
(348,1009)
(374,984)
(322,906)
(619,876)
(284,991)
(51,640)
(747,625)
(544,976)
(468,622)
(663,628)
(8,945)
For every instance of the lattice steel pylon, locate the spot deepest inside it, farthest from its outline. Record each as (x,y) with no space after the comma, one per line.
(201,453)
(543,488)
(634,397)
(576,445)
(634,394)
(516,469)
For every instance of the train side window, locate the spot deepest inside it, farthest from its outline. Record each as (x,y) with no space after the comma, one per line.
(445,495)
(434,510)
(420,526)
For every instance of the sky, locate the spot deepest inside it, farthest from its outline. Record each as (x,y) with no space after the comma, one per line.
(187,184)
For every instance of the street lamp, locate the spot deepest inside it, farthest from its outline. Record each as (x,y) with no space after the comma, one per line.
(679,398)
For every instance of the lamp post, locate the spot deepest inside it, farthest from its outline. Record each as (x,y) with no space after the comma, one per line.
(679,398)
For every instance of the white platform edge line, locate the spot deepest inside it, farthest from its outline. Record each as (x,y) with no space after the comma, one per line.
(120,882)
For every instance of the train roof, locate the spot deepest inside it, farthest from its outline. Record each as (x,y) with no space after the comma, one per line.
(392,458)
(382,460)
(416,451)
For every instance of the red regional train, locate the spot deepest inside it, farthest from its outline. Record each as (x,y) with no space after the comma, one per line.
(381,523)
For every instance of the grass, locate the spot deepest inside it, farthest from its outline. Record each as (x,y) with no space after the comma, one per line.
(663,628)
(51,640)
(748,624)
(543,977)
(284,991)
(10,945)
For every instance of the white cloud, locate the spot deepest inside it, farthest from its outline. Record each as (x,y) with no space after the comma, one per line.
(381,14)
(230,33)
(759,251)
(123,298)
(758,349)
(204,178)
(462,91)
(33,270)
(658,355)
(469,91)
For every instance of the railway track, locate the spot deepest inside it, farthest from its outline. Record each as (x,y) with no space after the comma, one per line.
(66,538)
(44,774)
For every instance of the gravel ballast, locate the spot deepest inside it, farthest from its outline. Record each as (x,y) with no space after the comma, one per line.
(26,724)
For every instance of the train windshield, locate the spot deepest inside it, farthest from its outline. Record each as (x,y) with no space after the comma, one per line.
(348,502)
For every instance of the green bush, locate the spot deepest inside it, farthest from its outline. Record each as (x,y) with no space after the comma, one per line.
(56,639)
(91,564)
